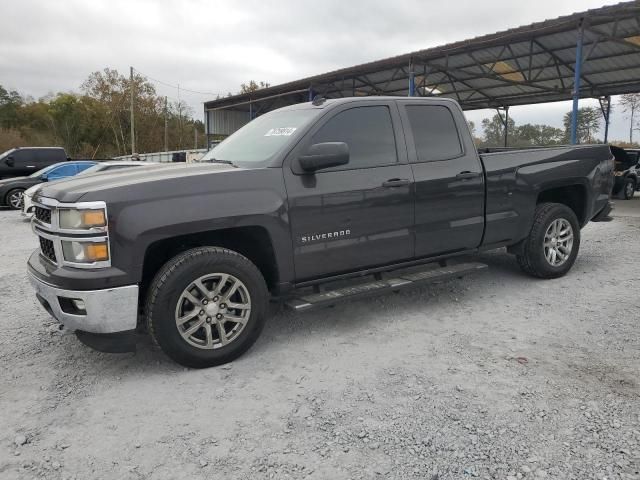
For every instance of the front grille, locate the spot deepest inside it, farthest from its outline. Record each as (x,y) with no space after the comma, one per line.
(43,214)
(46,247)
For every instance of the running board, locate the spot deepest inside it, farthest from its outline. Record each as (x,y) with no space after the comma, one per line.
(301,303)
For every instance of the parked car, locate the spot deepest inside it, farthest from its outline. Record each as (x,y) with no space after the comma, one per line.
(12,189)
(627,171)
(353,189)
(23,161)
(27,204)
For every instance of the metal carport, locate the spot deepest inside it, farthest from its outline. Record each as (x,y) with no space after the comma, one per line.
(590,54)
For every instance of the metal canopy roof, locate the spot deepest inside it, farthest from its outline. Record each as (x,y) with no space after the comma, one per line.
(524,65)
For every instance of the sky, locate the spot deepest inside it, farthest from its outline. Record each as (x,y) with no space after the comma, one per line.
(213,46)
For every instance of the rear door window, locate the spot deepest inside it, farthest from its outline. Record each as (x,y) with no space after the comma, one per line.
(435,134)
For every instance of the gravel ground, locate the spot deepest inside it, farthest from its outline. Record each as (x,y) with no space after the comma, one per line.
(497,376)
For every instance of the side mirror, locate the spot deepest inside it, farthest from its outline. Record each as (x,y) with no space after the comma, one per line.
(325,155)
(44,177)
(10,161)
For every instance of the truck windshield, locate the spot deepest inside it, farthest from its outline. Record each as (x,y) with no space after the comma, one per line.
(260,139)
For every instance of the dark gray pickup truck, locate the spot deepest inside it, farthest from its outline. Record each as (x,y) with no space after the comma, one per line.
(308,204)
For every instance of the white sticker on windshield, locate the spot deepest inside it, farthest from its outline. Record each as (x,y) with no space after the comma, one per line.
(280,132)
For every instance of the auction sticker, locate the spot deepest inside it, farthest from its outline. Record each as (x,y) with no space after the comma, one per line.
(280,132)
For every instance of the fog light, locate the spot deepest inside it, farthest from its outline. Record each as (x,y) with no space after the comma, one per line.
(79,304)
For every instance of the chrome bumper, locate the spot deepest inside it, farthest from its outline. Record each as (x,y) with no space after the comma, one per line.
(105,311)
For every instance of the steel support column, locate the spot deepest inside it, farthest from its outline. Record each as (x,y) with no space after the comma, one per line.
(576,84)
(506,126)
(412,81)
(310,94)
(605,107)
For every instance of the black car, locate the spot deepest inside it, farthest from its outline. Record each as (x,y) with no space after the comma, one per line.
(627,170)
(12,189)
(22,161)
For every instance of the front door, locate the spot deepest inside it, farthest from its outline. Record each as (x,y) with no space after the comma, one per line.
(449,179)
(357,215)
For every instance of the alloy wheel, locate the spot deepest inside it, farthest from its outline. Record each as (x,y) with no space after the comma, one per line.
(558,242)
(213,310)
(15,199)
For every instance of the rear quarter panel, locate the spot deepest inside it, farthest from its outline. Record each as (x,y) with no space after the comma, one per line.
(516,178)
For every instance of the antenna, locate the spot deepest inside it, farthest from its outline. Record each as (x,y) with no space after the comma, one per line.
(318,100)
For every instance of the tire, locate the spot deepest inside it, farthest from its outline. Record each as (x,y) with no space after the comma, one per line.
(169,301)
(14,198)
(628,189)
(536,257)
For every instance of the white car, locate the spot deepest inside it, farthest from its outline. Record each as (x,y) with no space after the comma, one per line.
(27,198)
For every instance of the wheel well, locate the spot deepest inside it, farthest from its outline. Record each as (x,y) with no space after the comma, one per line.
(252,242)
(573,196)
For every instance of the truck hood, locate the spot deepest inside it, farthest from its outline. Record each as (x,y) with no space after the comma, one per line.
(105,185)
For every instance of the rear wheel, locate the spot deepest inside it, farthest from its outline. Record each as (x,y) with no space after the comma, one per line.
(553,242)
(14,198)
(206,306)
(628,189)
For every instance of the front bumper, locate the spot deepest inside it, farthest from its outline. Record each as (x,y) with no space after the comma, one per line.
(109,310)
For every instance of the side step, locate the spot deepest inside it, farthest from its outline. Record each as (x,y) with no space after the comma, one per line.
(301,303)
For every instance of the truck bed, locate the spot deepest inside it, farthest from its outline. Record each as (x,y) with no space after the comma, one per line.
(512,174)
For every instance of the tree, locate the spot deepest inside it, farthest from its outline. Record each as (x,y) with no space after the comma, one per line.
(253,86)
(96,122)
(10,103)
(494,130)
(631,105)
(530,135)
(588,124)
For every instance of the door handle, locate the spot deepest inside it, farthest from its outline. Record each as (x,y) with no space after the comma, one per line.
(396,182)
(467,174)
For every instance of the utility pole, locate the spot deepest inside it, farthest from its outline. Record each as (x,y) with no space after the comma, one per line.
(179,119)
(133,128)
(195,133)
(166,126)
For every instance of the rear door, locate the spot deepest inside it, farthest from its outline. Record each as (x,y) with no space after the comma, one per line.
(357,215)
(449,180)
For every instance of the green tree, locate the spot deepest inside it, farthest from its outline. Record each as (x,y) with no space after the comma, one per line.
(10,103)
(530,135)
(631,105)
(494,130)
(253,86)
(588,124)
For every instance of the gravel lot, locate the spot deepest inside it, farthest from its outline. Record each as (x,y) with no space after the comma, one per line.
(494,376)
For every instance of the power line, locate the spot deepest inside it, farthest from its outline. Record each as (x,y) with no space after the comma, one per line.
(177,86)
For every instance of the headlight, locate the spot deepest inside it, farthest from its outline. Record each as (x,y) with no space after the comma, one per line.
(85,252)
(82,219)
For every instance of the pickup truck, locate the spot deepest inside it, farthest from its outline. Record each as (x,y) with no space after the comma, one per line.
(307,205)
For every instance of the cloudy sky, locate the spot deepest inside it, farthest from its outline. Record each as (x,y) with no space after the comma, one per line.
(214,46)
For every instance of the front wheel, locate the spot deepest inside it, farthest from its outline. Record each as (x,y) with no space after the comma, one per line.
(206,306)
(553,242)
(14,198)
